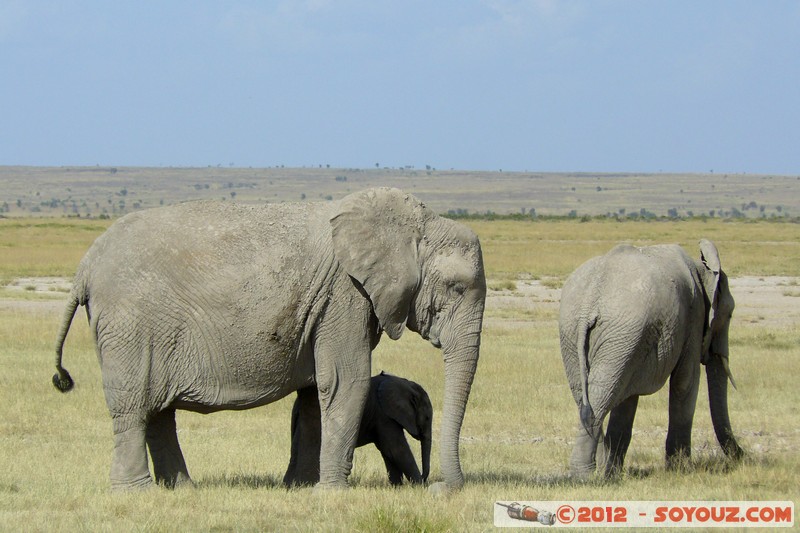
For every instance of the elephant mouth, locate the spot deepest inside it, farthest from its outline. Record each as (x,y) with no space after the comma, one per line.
(425,328)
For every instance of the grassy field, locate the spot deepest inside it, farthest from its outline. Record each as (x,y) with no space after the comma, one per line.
(516,437)
(112,191)
(511,249)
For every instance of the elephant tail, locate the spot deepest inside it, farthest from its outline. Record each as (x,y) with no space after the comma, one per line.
(62,380)
(586,411)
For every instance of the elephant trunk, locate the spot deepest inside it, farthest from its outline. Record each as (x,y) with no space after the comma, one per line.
(426,455)
(460,362)
(718,400)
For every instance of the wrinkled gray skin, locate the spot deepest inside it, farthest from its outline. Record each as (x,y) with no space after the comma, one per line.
(212,305)
(632,319)
(393,404)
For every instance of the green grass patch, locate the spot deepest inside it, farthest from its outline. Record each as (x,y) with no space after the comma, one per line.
(502,285)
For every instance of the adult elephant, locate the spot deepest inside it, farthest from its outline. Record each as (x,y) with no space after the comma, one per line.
(630,320)
(206,306)
(394,404)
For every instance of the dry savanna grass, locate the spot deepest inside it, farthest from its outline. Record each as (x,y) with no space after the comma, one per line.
(516,437)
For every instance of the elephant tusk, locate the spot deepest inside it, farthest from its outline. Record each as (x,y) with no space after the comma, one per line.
(727,368)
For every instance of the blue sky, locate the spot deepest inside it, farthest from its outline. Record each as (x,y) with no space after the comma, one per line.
(640,86)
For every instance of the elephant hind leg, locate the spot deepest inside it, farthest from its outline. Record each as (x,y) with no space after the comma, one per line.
(583,461)
(683,386)
(169,465)
(618,434)
(129,470)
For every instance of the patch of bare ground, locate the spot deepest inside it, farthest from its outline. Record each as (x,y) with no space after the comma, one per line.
(772,300)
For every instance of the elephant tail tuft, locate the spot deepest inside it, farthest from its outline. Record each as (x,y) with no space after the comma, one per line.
(63,381)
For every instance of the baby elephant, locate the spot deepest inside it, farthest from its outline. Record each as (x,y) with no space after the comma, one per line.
(631,319)
(393,404)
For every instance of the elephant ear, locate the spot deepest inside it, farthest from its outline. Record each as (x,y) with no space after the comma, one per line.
(710,258)
(398,398)
(376,234)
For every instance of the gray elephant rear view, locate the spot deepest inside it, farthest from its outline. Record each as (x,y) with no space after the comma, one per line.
(630,320)
(208,306)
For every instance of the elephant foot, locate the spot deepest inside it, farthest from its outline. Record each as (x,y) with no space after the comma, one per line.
(179,481)
(679,462)
(297,484)
(582,469)
(330,486)
(143,483)
(439,489)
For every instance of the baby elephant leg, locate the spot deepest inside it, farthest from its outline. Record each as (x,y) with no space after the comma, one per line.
(398,458)
(306,440)
(169,466)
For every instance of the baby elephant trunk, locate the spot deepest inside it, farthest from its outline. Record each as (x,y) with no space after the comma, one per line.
(426,456)
(717,377)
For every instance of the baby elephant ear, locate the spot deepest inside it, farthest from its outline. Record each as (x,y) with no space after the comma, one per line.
(399,399)
(375,238)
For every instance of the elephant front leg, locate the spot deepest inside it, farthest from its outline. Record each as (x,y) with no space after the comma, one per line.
(343,386)
(169,465)
(129,468)
(398,458)
(618,434)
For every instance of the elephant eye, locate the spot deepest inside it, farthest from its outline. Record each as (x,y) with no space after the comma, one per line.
(459,287)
